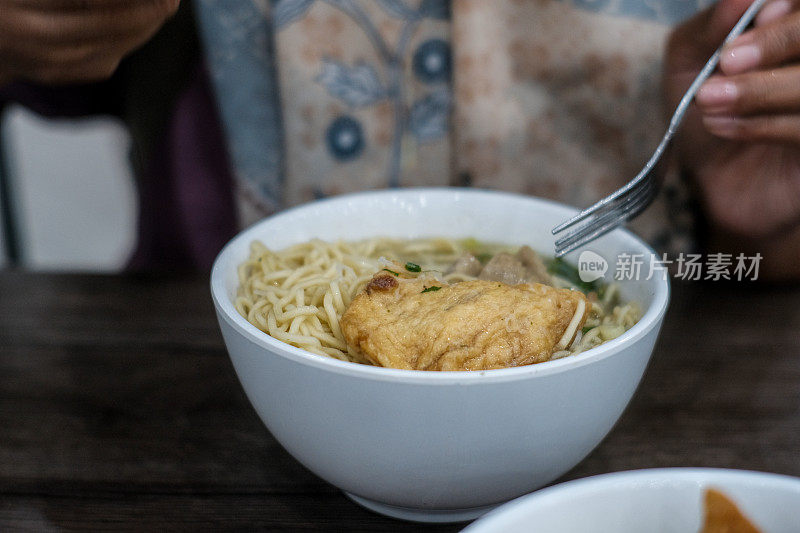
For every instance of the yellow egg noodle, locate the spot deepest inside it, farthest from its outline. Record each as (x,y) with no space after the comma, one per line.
(298,295)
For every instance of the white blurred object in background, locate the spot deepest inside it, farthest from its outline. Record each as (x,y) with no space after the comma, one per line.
(73,192)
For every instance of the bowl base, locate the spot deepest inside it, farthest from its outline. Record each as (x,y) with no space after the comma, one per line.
(422,515)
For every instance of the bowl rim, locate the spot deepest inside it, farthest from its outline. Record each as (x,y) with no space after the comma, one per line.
(227,312)
(568,489)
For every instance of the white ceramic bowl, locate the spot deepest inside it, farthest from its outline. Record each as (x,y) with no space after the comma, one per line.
(435,446)
(667,500)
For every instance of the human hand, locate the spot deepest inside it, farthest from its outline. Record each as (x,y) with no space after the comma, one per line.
(68,41)
(741,141)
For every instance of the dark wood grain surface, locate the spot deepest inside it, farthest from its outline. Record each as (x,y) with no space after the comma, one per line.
(119,409)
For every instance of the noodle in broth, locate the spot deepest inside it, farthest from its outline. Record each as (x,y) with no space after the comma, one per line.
(298,295)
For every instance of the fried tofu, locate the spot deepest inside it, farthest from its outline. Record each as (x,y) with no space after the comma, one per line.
(723,516)
(473,325)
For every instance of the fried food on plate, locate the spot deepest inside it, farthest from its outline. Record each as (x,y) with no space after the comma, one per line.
(723,516)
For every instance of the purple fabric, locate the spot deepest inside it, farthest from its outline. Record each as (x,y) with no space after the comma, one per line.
(186,202)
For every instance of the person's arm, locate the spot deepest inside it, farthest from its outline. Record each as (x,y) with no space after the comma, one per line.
(741,143)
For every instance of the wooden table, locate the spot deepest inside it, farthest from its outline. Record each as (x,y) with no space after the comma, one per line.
(119,408)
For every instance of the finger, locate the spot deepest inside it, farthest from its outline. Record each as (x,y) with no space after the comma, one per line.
(765,128)
(765,46)
(773,11)
(775,91)
(95,57)
(81,62)
(724,17)
(82,72)
(50,6)
(691,43)
(104,21)
(61,5)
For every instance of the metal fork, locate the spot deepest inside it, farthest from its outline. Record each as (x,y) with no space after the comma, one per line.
(637,194)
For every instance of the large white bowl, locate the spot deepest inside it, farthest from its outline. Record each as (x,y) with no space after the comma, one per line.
(667,500)
(435,446)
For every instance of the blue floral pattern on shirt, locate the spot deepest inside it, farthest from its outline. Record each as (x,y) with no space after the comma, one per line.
(359,85)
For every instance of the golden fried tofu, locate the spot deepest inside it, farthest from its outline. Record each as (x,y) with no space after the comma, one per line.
(723,516)
(472,325)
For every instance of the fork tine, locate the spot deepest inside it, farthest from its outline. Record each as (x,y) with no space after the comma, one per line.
(602,225)
(622,207)
(633,204)
(608,201)
(588,237)
(603,217)
(597,229)
(621,195)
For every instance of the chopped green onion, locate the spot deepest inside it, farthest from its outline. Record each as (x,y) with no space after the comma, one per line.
(391,272)
(587,329)
(560,268)
(471,244)
(413,267)
(431,289)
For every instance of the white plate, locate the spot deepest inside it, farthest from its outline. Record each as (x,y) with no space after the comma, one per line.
(667,500)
